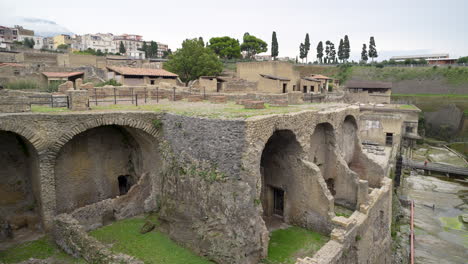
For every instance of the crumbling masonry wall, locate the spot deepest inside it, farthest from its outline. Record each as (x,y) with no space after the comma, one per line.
(205,175)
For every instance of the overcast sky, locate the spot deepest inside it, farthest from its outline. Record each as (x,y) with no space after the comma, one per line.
(400,27)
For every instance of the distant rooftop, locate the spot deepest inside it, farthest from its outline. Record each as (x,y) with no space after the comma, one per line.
(274,77)
(425,56)
(320,76)
(61,74)
(310,79)
(142,72)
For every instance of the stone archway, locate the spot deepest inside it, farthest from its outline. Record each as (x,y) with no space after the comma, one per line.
(292,189)
(90,166)
(322,153)
(20,203)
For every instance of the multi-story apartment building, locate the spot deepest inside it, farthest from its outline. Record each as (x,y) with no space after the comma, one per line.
(38,42)
(162,48)
(24,33)
(62,39)
(132,44)
(99,41)
(8,34)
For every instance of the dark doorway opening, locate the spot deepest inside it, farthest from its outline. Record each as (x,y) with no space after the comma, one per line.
(278,201)
(388,139)
(305,89)
(284,87)
(152,82)
(125,183)
(219,86)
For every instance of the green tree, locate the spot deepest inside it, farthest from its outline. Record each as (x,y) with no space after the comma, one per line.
(302,52)
(167,53)
(28,42)
(193,60)
(347,48)
(327,51)
(145,49)
(320,52)
(462,60)
(253,45)
(341,51)
(306,46)
(99,53)
(122,49)
(62,46)
(372,49)
(274,46)
(153,50)
(200,39)
(364,57)
(225,47)
(332,54)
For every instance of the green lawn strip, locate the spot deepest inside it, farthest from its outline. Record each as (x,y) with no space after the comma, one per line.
(430,95)
(39,108)
(153,247)
(40,249)
(286,245)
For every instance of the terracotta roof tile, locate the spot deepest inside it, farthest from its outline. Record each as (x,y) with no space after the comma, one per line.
(142,71)
(61,74)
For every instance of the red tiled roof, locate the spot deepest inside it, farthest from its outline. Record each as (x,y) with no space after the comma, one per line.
(142,72)
(11,64)
(61,74)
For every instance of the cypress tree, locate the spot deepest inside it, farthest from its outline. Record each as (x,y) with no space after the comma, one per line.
(320,51)
(347,48)
(372,49)
(274,46)
(332,53)
(327,51)
(154,49)
(364,57)
(302,52)
(144,48)
(341,51)
(122,49)
(306,46)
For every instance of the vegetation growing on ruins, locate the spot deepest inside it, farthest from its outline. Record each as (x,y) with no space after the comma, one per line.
(22,85)
(42,248)
(193,60)
(286,245)
(152,247)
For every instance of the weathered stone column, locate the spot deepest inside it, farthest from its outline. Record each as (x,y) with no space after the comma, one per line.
(78,100)
(47,190)
(78,83)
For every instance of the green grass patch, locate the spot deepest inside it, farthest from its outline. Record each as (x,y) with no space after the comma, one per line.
(42,248)
(152,247)
(432,95)
(408,107)
(460,147)
(47,109)
(286,245)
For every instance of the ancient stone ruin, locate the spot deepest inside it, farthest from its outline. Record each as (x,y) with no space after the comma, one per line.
(218,185)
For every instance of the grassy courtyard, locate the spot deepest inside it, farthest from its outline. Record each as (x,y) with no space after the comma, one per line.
(286,245)
(153,247)
(43,248)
